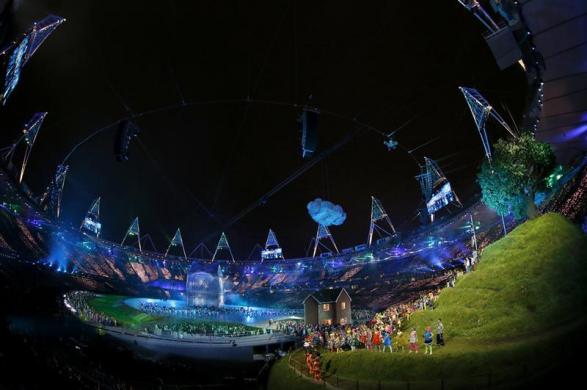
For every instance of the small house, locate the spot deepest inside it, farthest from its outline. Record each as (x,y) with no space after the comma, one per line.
(328,307)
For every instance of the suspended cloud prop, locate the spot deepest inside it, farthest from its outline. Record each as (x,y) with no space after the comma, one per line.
(326,213)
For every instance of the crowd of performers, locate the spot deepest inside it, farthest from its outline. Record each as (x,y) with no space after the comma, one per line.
(223,313)
(380,334)
(383,333)
(78,302)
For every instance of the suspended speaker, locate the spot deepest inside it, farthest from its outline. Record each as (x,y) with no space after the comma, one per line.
(125,133)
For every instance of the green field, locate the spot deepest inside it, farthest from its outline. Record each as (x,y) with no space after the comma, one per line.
(113,306)
(128,317)
(515,315)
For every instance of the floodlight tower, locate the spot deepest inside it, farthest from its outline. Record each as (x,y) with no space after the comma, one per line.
(379,217)
(30,132)
(177,241)
(272,249)
(436,188)
(21,51)
(51,198)
(223,245)
(481,111)
(134,230)
(91,222)
(323,233)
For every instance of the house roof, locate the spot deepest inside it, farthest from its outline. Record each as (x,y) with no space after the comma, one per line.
(327,295)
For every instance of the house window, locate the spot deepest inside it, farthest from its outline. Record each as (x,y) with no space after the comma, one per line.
(343,305)
(326,307)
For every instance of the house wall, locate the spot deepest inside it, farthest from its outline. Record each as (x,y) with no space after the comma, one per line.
(343,314)
(311,312)
(324,316)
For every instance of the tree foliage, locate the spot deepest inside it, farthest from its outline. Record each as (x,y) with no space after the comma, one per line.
(517,171)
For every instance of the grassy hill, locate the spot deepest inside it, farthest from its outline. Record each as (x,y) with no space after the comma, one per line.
(521,308)
(529,281)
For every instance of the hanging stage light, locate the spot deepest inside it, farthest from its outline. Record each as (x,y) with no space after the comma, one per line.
(308,124)
(126,131)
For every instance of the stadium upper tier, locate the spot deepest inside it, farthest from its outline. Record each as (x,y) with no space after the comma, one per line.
(30,235)
(419,261)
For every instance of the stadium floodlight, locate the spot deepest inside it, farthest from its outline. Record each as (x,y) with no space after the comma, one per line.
(379,217)
(223,246)
(481,111)
(323,233)
(91,222)
(51,199)
(16,55)
(272,249)
(436,188)
(177,241)
(133,230)
(29,135)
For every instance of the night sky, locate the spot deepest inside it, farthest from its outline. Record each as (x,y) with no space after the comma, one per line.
(384,62)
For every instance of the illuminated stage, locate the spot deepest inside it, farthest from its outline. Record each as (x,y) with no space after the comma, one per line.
(254,316)
(176,328)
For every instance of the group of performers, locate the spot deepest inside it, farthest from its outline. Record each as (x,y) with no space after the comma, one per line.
(314,364)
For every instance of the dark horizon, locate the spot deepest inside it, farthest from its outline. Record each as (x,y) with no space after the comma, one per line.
(110,61)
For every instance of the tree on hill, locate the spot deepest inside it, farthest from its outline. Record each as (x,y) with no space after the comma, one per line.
(515,174)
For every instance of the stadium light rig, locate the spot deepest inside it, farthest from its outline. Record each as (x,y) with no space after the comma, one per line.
(29,135)
(18,53)
(91,223)
(481,110)
(436,188)
(272,249)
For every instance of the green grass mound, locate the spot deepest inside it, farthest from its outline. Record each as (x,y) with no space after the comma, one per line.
(526,283)
(283,377)
(519,311)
